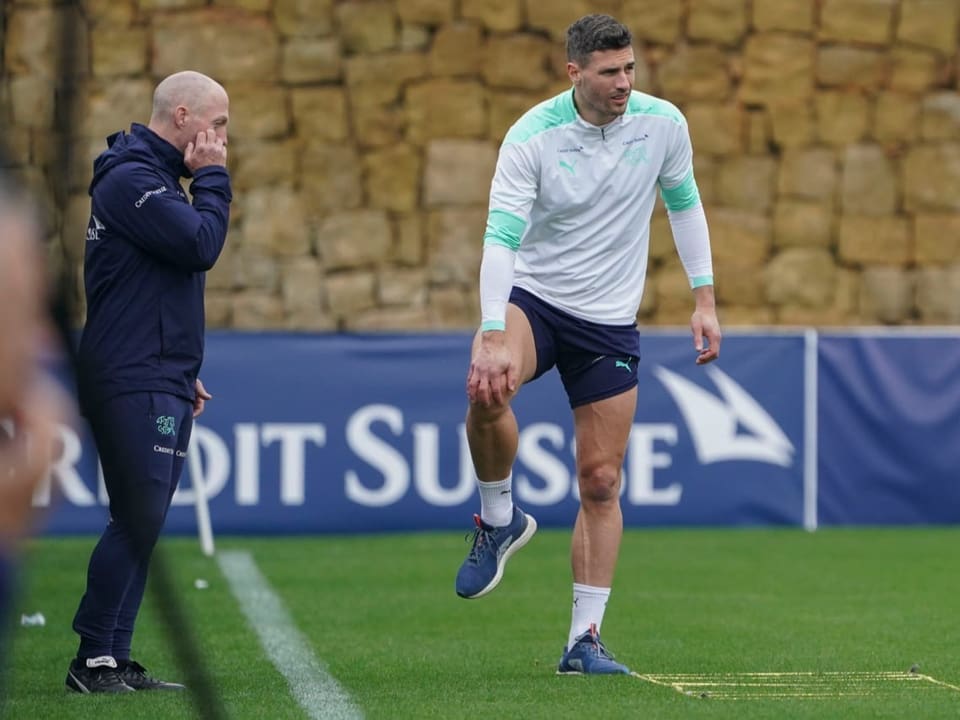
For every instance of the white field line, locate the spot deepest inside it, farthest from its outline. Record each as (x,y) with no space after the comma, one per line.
(317,692)
(804,685)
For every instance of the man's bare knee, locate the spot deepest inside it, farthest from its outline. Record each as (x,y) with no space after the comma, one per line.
(600,487)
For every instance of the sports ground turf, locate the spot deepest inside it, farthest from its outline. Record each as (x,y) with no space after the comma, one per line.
(717,623)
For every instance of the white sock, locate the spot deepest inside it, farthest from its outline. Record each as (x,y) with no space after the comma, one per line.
(496,502)
(589,604)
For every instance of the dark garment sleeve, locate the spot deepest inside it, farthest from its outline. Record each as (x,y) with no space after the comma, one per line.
(152,212)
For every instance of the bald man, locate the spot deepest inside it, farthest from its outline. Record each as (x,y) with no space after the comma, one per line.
(148,248)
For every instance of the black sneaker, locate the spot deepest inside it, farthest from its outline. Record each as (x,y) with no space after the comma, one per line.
(95,675)
(135,675)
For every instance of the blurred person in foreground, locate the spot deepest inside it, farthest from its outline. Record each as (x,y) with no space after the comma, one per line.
(31,404)
(147,251)
(561,279)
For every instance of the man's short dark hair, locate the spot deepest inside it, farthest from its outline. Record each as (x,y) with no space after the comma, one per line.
(595,32)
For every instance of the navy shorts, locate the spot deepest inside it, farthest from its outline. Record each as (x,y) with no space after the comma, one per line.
(595,361)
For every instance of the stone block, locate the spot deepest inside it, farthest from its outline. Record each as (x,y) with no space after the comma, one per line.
(495,15)
(425,12)
(348,293)
(31,101)
(454,307)
(776,67)
(121,53)
(320,113)
(875,240)
(367,27)
(940,116)
(414,38)
(787,15)
(936,238)
(351,240)
(896,117)
(747,182)
(331,176)
(307,18)
(758,132)
(409,248)
(458,172)
(800,223)
(255,270)
(801,276)
(671,288)
(937,292)
(263,163)
(931,177)
(869,182)
(30,42)
(556,16)
(102,14)
(258,111)
(739,235)
(715,128)
(516,62)
(857,21)
(887,295)
(392,178)
(302,288)
(912,69)
(376,120)
(808,173)
(454,245)
(367,72)
(256,310)
(311,60)
(843,117)
(738,282)
(275,222)
(218,309)
(653,20)
(457,50)
(112,105)
(847,66)
(446,109)
(793,124)
(719,21)
(402,286)
(695,72)
(227,44)
(929,23)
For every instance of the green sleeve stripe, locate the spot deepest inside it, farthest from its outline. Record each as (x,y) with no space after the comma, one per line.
(493,325)
(701,280)
(504,228)
(682,197)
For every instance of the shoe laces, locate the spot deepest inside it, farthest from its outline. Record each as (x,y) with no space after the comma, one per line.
(598,644)
(482,539)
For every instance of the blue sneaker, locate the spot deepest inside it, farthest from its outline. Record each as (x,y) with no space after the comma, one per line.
(589,656)
(492,547)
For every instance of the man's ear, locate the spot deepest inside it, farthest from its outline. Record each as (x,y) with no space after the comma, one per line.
(573,72)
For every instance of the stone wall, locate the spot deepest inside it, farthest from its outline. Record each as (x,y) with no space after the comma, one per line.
(364,133)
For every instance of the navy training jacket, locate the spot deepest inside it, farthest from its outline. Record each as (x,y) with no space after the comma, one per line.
(147,251)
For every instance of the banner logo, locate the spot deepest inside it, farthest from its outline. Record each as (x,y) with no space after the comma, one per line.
(716,423)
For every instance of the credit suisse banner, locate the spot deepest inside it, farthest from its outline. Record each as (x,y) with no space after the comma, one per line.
(364,433)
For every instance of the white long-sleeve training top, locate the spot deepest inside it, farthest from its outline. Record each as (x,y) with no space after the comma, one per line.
(570,209)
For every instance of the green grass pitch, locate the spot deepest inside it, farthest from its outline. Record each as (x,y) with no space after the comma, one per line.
(722,623)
